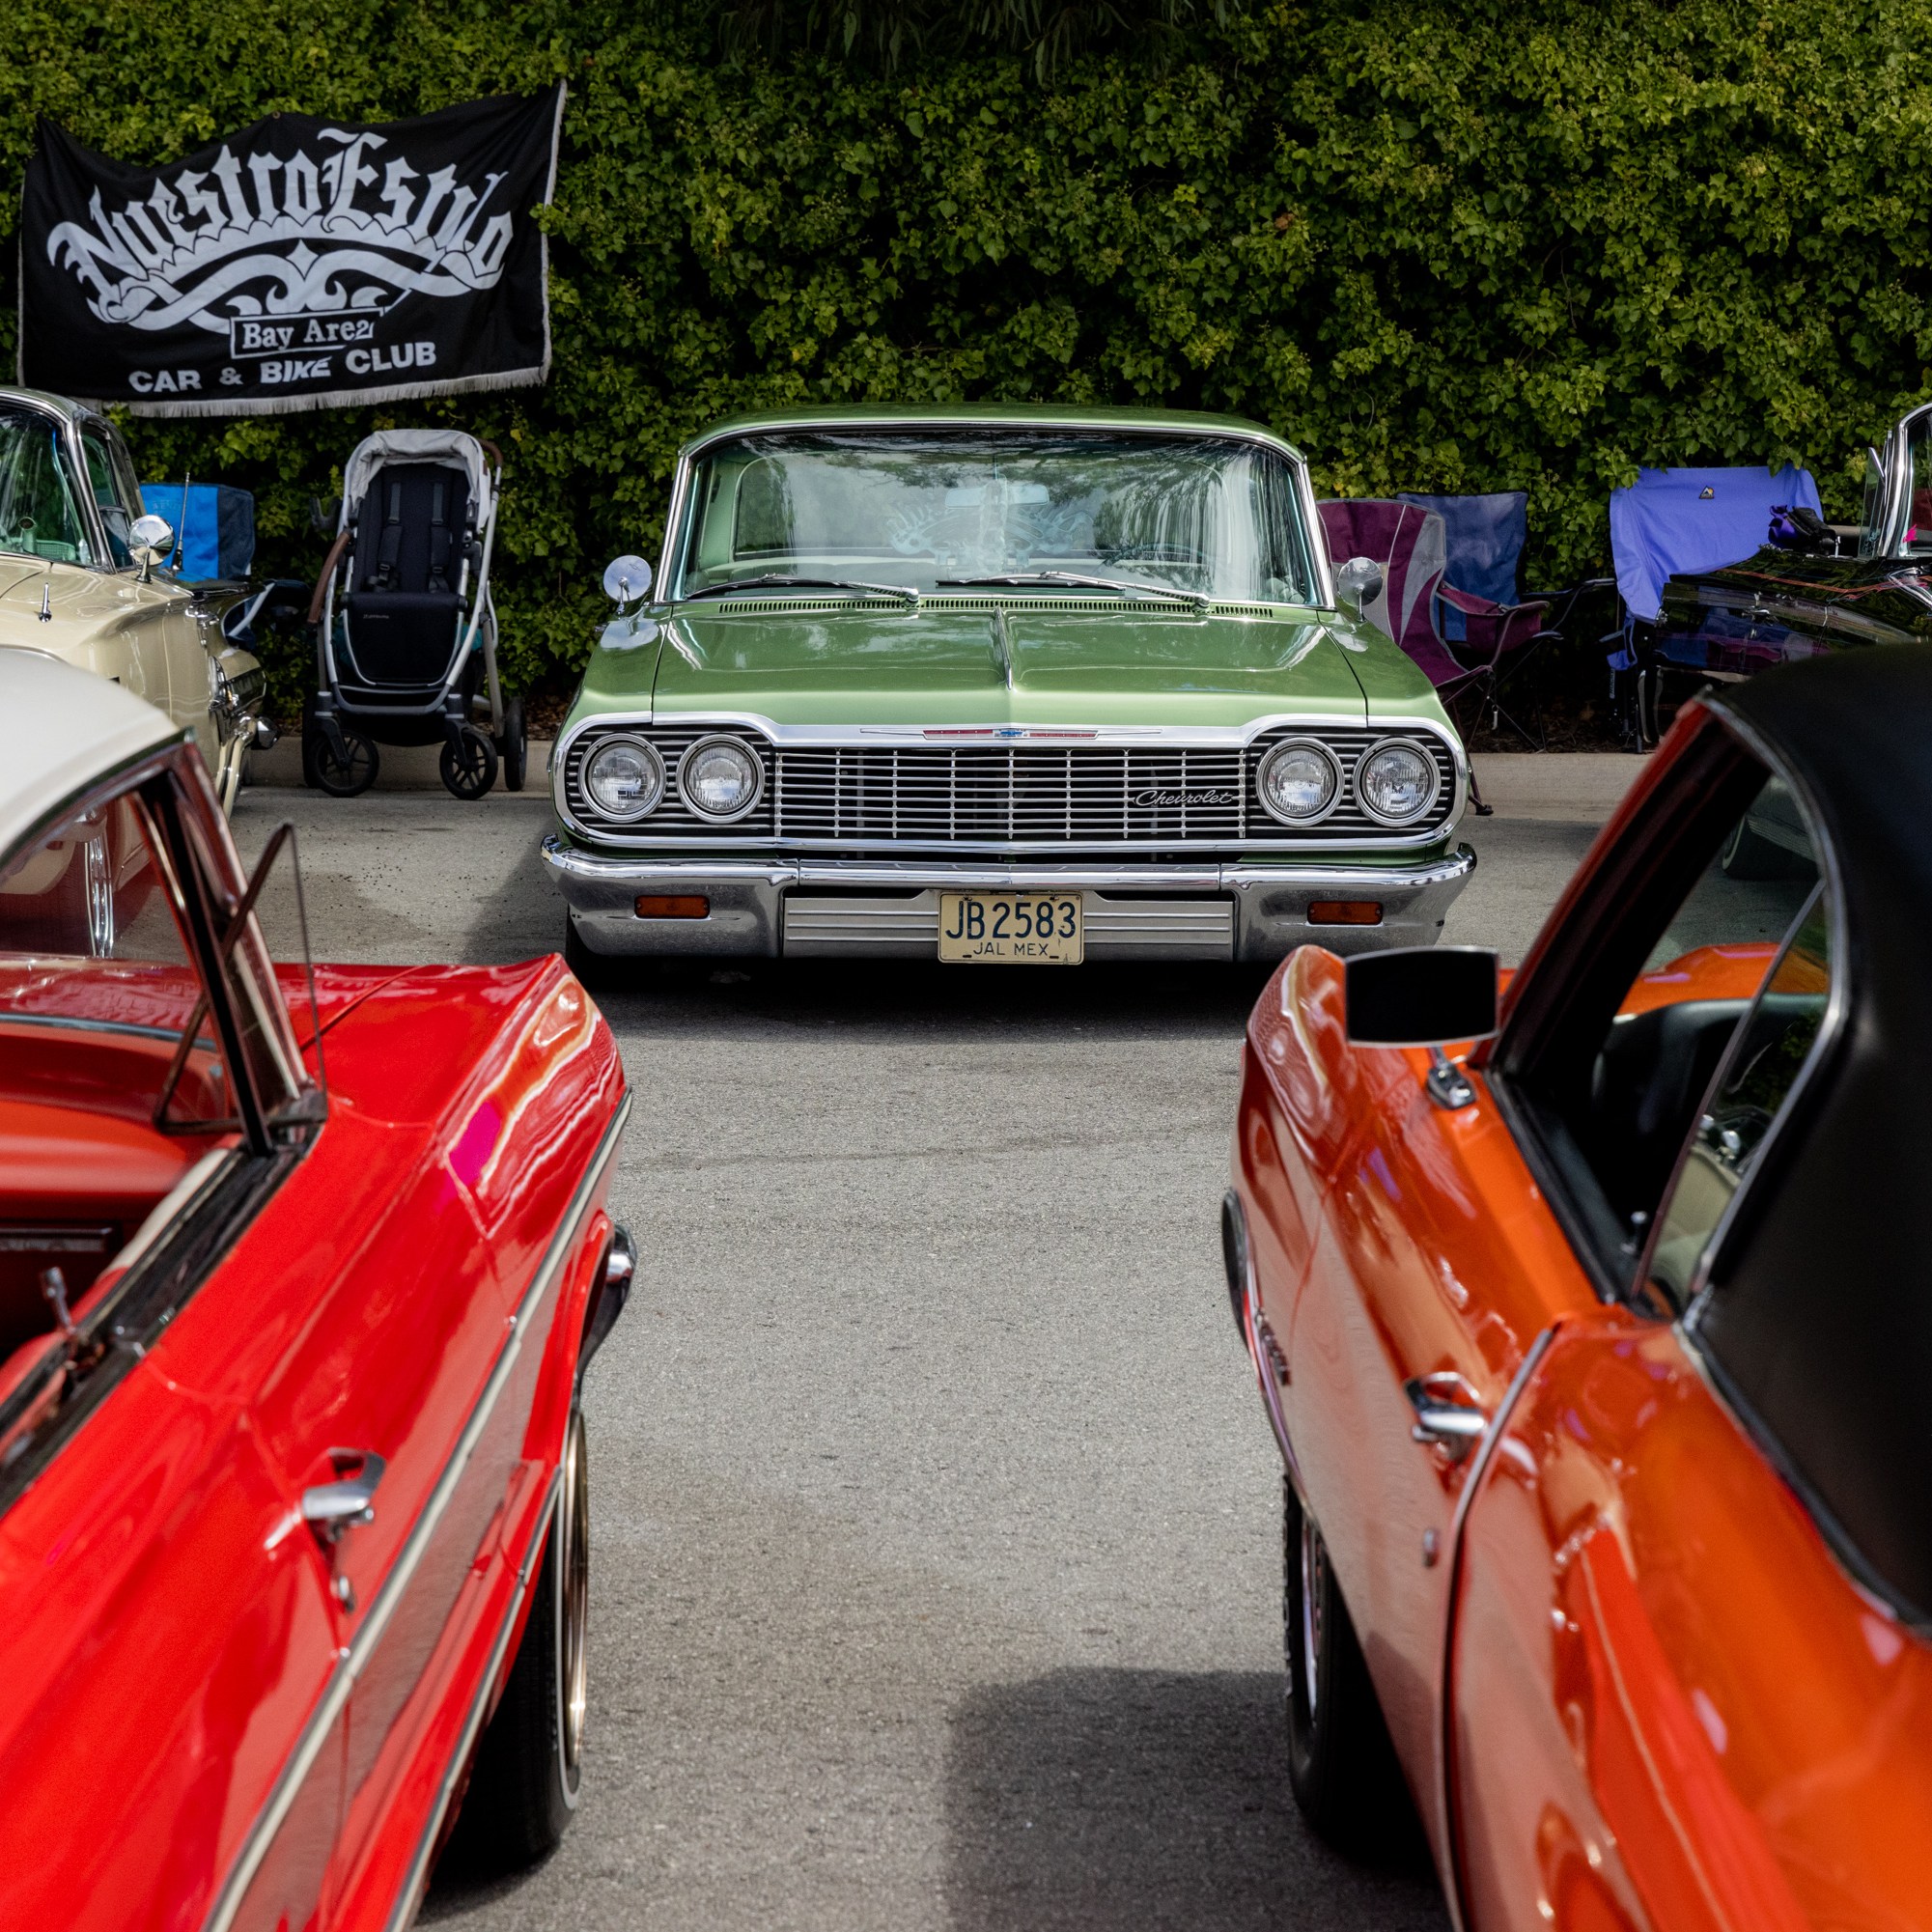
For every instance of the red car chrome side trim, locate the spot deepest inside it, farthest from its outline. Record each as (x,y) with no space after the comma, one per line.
(354,1659)
(1446,1759)
(411,1895)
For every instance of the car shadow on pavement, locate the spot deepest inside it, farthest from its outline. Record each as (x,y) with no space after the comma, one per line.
(897,1000)
(1115,1801)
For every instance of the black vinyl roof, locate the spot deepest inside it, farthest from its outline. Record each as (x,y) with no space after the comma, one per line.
(1820,1315)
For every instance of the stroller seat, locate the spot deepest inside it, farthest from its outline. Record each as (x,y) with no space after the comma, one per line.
(399,638)
(406,609)
(406,624)
(411,534)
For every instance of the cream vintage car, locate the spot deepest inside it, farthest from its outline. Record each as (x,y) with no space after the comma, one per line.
(83,578)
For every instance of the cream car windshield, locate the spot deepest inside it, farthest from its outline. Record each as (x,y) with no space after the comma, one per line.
(1214,517)
(110,475)
(40,513)
(1918,487)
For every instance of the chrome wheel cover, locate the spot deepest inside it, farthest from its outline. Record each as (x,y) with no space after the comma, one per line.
(1311,1613)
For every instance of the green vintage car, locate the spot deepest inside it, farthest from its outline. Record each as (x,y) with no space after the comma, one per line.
(999,685)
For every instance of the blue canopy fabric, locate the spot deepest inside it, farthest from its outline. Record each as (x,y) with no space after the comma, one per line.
(215,525)
(1673,523)
(1486,536)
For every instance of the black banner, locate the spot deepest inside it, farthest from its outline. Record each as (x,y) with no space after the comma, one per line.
(298,265)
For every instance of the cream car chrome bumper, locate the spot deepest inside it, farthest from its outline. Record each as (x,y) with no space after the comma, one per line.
(835,908)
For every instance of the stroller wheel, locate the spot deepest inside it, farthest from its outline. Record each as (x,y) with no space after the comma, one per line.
(329,774)
(514,745)
(468,763)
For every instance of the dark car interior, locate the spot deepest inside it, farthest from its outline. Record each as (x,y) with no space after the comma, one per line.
(1612,1096)
(1651,1073)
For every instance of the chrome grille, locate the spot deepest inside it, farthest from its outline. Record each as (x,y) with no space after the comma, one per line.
(1090,796)
(1008,795)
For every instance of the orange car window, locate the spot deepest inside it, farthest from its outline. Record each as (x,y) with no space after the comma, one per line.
(1678,1015)
(1757,1079)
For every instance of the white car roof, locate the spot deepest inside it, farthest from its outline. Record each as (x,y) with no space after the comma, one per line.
(60,729)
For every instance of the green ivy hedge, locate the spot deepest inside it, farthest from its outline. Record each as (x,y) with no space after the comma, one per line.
(1446,246)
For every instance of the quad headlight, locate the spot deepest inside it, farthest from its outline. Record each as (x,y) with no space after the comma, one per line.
(1397,782)
(1300,781)
(624,778)
(720,779)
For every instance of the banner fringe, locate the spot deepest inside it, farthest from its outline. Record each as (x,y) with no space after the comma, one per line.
(335,399)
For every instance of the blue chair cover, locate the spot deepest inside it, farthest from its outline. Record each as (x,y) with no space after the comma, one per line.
(216,526)
(1673,523)
(1486,536)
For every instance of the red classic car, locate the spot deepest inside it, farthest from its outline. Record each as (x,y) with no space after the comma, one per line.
(1598,1352)
(299,1277)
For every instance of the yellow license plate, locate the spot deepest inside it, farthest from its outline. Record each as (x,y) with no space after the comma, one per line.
(1012,928)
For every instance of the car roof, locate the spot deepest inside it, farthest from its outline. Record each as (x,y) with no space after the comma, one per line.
(1819,1316)
(993,416)
(64,728)
(43,399)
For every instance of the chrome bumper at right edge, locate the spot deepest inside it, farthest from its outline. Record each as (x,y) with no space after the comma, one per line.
(890,910)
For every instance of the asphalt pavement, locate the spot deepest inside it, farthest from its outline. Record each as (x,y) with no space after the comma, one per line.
(935,1524)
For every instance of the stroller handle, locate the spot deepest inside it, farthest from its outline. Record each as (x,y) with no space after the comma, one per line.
(322,575)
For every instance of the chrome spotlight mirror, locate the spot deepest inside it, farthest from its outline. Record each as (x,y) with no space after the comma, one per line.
(149,539)
(1357,584)
(626,578)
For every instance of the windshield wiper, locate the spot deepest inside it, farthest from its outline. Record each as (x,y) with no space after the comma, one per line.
(1074,580)
(776,581)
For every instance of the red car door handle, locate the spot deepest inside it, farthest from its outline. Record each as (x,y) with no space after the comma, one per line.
(1446,1411)
(331,1509)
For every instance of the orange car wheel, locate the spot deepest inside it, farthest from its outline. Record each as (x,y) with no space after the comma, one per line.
(1340,1762)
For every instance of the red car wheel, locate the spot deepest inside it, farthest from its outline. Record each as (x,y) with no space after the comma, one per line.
(529,1767)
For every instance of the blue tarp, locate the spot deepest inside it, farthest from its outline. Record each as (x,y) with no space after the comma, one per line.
(1486,536)
(1675,523)
(218,532)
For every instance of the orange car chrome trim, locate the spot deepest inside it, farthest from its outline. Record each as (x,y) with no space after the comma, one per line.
(1262,1354)
(354,1657)
(1445,1775)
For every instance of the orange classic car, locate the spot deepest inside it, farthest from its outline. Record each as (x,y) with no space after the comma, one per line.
(1598,1353)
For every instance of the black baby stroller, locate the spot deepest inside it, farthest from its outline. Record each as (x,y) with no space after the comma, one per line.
(406,629)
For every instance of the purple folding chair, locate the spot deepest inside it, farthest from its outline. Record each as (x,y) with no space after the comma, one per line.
(1486,628)
(1410,548)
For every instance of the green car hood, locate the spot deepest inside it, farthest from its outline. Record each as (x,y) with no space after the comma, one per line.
(873,665)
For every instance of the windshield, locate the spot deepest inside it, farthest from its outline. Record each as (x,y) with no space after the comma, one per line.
(111,476)
(1211,517)
(40,513)
(1917,488)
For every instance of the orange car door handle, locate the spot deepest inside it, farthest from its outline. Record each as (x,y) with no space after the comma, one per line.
(1446,1414)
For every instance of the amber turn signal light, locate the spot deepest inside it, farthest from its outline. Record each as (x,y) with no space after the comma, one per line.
(1343,912)
(677,907)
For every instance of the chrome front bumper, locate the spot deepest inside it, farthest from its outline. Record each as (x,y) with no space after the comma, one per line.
(833,908)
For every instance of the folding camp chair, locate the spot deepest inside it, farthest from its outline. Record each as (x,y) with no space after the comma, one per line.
(1681,522)
(1409,544)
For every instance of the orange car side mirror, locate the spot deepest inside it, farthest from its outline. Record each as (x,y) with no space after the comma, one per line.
(1421,995)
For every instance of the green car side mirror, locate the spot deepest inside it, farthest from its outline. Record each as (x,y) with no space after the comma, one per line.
(1357,584)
